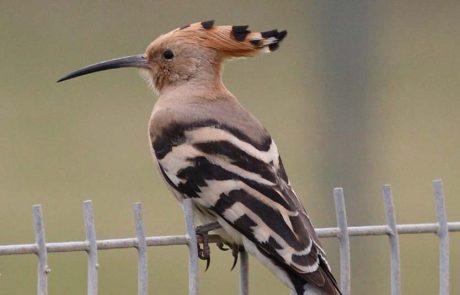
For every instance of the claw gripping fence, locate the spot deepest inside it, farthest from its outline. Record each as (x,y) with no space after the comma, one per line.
(342,232)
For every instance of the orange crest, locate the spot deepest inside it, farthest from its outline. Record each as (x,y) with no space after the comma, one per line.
(230,41)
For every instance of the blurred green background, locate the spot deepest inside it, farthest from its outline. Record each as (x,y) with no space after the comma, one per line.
(361,93)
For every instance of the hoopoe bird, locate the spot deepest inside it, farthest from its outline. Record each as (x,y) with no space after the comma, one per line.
(210,149)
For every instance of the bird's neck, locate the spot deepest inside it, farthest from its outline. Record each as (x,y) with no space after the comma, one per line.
(205,80)
(202,85)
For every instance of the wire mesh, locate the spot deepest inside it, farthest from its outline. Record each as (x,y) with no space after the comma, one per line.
(342,232)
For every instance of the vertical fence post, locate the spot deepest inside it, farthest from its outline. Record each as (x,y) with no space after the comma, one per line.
(192,248)
(244,273)
(90,230)
(42,266)
(443,234)
(394,240)
(142,266)
(344,241)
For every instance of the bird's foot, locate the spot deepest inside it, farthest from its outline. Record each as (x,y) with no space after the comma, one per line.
(236,249)
(222,246)
(204,253)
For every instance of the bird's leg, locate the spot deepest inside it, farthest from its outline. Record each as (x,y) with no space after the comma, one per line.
(205,228)
(204,253)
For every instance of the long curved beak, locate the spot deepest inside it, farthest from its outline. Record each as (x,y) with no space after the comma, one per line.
(133,61)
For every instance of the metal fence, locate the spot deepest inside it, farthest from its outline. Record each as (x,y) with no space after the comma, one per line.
(342,232)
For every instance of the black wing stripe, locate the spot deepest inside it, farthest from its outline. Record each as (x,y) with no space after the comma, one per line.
(165,176)
(267,191)
(161,147)
(176,133)
(202,169)
(270,216)
(245,222)
(237,157)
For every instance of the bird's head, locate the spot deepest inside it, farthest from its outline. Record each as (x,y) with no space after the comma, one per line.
(191,53)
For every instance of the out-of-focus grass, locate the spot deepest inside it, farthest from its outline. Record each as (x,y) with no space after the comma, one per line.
(359,94)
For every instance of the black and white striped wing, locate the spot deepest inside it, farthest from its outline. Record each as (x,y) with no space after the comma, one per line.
(244,184)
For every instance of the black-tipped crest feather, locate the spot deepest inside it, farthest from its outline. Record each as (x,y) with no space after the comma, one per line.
(240,32)
(207,24)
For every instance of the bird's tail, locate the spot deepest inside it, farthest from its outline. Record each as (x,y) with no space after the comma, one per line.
(308,289)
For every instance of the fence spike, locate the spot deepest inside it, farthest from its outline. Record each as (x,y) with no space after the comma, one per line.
(344,241)
(394,240)
(42,266)
(91,250)
(142,258)
(192,248)
(443,234)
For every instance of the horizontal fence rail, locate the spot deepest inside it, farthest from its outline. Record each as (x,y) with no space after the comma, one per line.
(342,232)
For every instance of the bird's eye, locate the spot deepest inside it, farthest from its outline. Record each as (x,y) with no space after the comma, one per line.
(168,54)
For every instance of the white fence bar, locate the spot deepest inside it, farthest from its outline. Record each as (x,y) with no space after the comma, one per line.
(42,266)
(192,248)
(142,259)
(91,246)
(344,240)
(394,240)
(443,234)
(244,273)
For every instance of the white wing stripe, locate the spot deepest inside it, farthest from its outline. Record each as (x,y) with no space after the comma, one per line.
(206,134)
